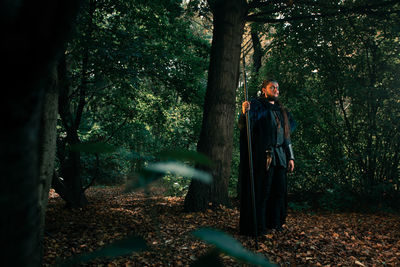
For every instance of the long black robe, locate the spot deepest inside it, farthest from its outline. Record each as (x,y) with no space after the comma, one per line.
(267,132)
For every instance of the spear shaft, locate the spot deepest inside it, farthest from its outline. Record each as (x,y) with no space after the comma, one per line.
(252,192)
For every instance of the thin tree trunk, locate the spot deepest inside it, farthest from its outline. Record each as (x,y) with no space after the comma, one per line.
(216,137)
(71,187)
(257,50)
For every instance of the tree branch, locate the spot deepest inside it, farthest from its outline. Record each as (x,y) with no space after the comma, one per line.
(362,10)
(259,4)
(270,12)
(117,130)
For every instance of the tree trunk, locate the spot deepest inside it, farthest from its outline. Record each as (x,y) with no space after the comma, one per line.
(47,145)
(69,185)
(257,50)
(20,218)
(216,137)
(31,43)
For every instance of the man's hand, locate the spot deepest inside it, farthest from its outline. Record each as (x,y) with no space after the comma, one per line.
(245,107)
(291,165)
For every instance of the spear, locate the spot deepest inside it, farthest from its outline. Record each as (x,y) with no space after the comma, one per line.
(253,198)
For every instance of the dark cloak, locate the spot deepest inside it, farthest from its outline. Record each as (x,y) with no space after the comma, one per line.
(264,121)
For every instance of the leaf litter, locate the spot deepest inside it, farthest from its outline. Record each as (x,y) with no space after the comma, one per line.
(309,238)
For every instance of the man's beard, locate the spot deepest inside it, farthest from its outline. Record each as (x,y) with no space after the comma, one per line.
(272,98)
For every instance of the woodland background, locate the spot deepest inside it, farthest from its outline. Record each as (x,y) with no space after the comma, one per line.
(102,91)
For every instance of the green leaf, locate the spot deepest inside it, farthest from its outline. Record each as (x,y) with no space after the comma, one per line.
(157,170)
(181,169)
(93,148)
(185,155)
(230,246)
(143,178)
(211,259)
(119,248)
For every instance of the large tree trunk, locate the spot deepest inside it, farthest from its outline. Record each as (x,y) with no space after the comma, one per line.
(20,218)
(33,34)
(216,137)
(47,144)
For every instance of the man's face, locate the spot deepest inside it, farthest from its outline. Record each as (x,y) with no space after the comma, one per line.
(271,90)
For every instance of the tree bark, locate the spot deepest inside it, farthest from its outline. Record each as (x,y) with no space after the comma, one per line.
(257,50)
(47,145)
(20,217)
(216,137)
(33,34)
(69,185)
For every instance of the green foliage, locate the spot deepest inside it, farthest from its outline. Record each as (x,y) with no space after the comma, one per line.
(179,169)
(338,198)
(122,247)
(175,185)
(299,206)
(184,155)
(338,78)
(230,246)
(156,170)
(93,148)
(140,69)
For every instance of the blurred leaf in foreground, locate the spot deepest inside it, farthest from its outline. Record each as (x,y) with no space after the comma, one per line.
(180,169)
(118,248)
(230,246)
(211,259)
(155,171)
(185,155)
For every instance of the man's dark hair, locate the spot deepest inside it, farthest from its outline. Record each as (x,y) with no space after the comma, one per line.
(266,82)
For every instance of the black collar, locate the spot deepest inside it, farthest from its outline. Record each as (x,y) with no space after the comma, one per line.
(265,102)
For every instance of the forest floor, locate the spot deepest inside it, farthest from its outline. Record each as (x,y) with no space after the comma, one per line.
(310,238)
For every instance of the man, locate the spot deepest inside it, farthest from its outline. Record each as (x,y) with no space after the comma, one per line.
(272,158)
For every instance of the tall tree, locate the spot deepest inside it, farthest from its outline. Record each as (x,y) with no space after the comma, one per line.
(219,106)
(70,188)
(34,36)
